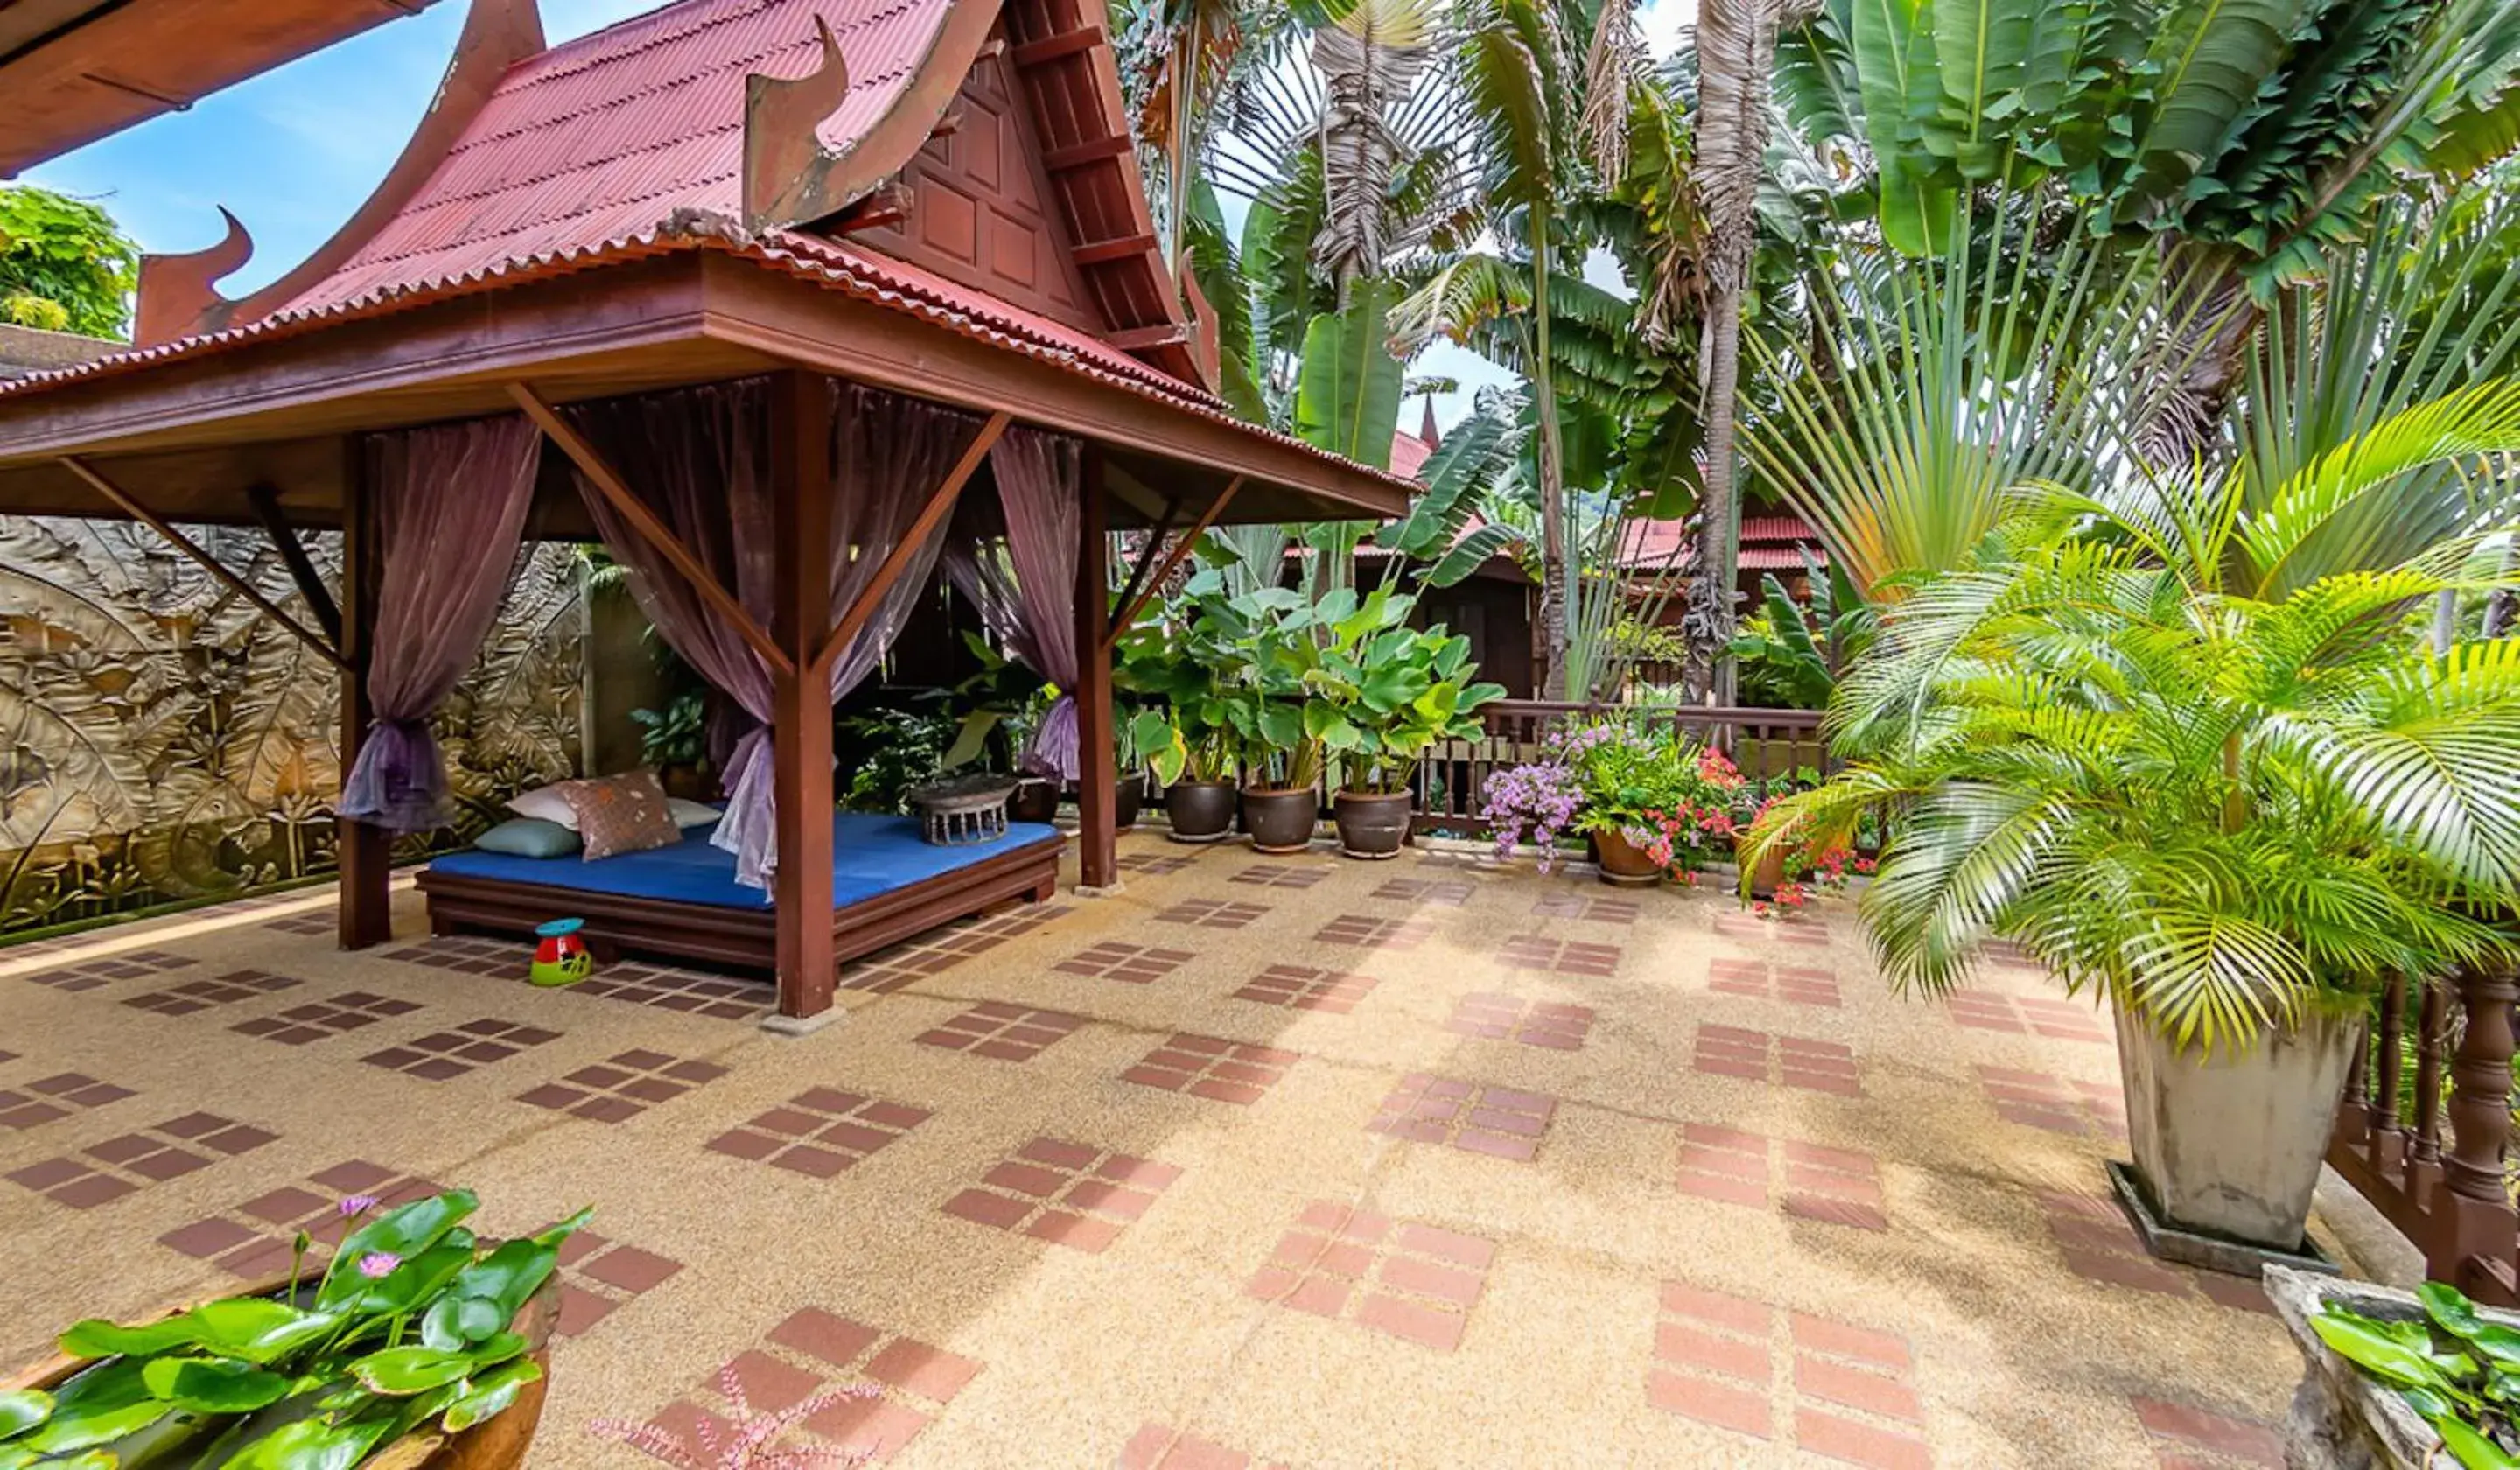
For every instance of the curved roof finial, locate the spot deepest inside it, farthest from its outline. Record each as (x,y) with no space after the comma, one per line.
(788,172)
(178,291)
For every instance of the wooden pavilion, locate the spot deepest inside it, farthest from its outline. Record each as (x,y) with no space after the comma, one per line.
(933,199)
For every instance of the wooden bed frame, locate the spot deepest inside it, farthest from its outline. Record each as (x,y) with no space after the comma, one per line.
(739,938)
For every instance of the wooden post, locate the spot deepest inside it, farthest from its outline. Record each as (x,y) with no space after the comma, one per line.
(2389,1072)
(2476,1231)
(1097,753)
(800,490)
(364,852)
(2428,1077)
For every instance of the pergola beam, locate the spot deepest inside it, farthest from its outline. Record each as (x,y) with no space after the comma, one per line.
(939,506)
(207,562)
(265,503)
(1135,603)
(1146,558)
(616,493)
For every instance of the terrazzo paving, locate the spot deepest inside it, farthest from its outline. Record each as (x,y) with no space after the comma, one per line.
(1298,1162)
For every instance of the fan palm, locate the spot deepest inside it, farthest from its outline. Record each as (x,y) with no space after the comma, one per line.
(2217,800)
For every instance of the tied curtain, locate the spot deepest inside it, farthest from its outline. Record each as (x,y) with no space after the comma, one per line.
(699,459)
(450,503)
(1028,598)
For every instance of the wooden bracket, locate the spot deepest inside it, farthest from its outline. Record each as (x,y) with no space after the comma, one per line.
(1189,541)
(207,562)
(938,504)
(1154,549)
(265,503)
(617,493)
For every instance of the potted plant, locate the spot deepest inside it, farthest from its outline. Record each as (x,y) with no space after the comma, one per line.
(1392,693)
(1182,730)
(417,1346)
(2229,806)
(674,740)
(2394,1379)
(1267,640)
(1654,803)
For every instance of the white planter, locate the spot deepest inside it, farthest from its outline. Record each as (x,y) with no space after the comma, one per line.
(2230,1144)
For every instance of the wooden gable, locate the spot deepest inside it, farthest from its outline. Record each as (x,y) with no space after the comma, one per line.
(980,210)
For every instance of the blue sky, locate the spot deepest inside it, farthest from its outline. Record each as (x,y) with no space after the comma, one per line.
(295,151)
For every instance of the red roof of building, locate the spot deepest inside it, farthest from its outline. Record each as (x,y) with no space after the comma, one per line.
(599,139)
(1409,455)
(629,143)
(1768,543)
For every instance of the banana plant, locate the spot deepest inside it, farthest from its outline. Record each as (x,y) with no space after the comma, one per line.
(1382,693)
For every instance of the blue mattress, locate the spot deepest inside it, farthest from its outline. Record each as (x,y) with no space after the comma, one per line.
(871,854)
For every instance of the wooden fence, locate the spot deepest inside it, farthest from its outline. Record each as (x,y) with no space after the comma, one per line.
(1763,743)
(2452,1198)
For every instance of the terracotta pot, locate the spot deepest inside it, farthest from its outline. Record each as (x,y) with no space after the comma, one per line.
(1372,825)
(1772,872)
(1624,864)
(1201,811)
(1127,797)
(1036,799)
(1281,822)
(495,1444)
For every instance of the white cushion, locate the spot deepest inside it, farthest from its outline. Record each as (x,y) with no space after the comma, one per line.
(546,803)
(690,813)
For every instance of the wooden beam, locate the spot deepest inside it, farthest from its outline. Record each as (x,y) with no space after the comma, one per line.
(1146,558)
(617,494)
(1078,155)
(938,504)
(1141,338)
(1104,251)
(1083,38)
(1096,750)
(1130,609)
(800,704)
(364,852)
(265,501)
(207,562)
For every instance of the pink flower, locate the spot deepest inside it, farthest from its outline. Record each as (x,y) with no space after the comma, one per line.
(375,1265)
(353,1206)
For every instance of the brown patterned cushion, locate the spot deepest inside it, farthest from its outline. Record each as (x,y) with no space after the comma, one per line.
(621,813)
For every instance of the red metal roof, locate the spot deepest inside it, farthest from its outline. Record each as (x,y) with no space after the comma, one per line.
(1768,543)
(1409,455)
(601,139)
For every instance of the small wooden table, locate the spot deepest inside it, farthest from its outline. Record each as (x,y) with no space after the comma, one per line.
(963,812)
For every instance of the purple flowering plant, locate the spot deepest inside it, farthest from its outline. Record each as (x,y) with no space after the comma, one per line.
(410,1326)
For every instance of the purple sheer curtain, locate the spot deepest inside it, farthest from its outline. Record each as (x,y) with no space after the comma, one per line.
(450,507)
(699,457)
(1027,597)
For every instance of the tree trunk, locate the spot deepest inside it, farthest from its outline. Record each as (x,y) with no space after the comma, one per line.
(1549,674)
(1710,589)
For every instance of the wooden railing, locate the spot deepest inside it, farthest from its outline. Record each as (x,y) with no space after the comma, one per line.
(2450,1199)
(1763,743)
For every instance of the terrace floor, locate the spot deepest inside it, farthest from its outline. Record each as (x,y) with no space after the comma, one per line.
(1308,1161)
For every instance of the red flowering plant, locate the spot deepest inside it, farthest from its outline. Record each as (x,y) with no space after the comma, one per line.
(1661,795)
(1806,865)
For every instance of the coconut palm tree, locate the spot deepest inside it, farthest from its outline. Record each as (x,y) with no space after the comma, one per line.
(1737,45)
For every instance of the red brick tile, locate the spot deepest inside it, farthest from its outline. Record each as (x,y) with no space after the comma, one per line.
(984,1208)
(2218,1432)
(875,1427)
(2125,1271)
(1683,1346)
(1838,1212)
(931,1373)
(1025,1179)
(1080,1231)
(1722,1405)
(1057,1154)
(1839,1439)
(1318,1295)
(1724,1188)
(1447,1245)
(1108,1199)
(835,1340)
(1460,1288)
(1425,1325)
(632,1270)
(770,1385)
(1741,1314)
(1819,1334)
(1856,1388)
